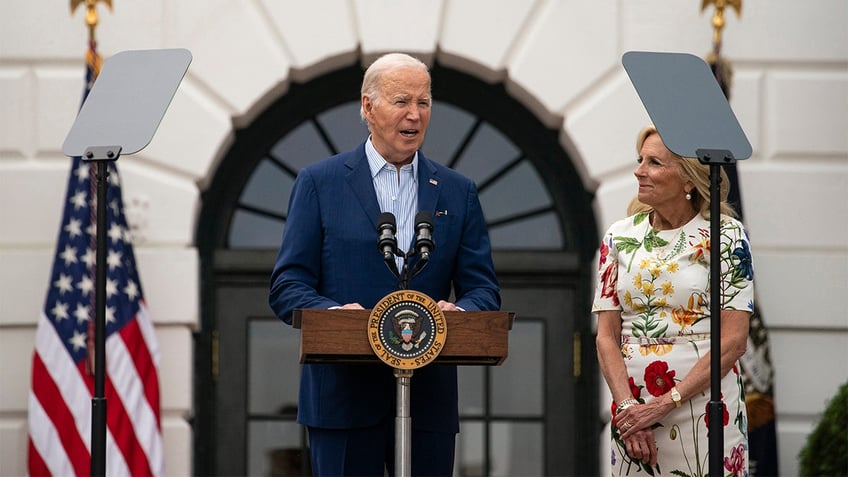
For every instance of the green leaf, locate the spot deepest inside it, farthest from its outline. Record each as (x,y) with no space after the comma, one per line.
(659,333)
(627,244)
(653,240)
(647,468)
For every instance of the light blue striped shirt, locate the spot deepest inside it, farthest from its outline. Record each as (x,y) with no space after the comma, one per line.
(396,193)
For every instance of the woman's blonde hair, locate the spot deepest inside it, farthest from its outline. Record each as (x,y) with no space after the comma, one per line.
(692,170)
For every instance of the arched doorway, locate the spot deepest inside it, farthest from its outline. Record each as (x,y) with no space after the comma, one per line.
(537,414)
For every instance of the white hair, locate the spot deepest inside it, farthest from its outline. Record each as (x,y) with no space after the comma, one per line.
(374,73)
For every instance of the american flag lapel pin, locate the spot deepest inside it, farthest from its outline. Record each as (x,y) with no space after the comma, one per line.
(434,182)
(440,213)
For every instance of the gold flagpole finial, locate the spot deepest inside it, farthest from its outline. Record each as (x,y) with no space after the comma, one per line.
(90,14)
(718,18)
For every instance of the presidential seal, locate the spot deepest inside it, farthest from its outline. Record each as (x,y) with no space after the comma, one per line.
(407,329)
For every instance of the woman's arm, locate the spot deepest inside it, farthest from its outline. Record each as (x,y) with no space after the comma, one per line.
(608,343)
(639,444)
(734,340)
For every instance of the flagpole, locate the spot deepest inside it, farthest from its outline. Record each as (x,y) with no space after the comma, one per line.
(98,400)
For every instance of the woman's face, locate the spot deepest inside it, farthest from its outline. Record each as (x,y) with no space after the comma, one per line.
(658,173)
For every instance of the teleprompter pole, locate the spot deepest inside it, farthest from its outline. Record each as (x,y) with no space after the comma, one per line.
(715,410)
(101,156)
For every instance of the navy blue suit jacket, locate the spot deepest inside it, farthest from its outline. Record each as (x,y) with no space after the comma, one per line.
(329,257)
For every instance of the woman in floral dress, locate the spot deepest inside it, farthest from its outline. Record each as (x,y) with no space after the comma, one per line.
(653,306)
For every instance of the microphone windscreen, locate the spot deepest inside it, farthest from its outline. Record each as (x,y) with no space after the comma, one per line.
(386,218)
(424,217)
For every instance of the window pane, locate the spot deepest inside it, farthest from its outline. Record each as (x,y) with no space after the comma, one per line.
(274,449)
(273,368)
(268,188)
(519,191)
(539,232)
(251,230)
(487,154)
(517,449)
(469,460)
(343,125)
(448,127)
(471,391)
(301,147)
(518,384)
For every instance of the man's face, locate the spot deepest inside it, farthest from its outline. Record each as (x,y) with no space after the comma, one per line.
(399,117)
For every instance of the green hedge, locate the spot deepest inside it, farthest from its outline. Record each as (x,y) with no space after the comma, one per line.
(826,451)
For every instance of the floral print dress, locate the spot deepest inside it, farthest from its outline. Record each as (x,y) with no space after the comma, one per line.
(659,279)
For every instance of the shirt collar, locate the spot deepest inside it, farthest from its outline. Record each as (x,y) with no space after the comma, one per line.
(376,162)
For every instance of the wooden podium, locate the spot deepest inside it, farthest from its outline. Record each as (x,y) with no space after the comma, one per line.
(340,336)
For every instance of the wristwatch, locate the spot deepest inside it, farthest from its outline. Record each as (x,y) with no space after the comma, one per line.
(675,396)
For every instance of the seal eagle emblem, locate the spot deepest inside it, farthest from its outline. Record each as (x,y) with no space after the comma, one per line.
(407,329)
(407,324)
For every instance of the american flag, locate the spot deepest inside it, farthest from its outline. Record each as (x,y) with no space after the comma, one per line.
(60,400)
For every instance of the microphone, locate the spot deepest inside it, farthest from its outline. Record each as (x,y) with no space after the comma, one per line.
(424,240)
(387,242)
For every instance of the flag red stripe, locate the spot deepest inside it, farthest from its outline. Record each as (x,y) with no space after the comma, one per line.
(50,397)
(123,372)
(146,369)
(37,466)
(120,424)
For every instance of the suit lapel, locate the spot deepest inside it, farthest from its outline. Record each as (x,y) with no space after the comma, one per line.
(429,185)
(359,179)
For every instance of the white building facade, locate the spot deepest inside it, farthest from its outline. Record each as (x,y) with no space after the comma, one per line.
(561,59)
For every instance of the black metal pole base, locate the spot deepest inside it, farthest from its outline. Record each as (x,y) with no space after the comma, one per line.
(98,436)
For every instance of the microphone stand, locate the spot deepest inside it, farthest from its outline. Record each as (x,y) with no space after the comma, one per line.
(403,278)
(403,415)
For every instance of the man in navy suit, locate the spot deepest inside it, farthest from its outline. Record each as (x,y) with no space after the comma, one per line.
(329,259)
